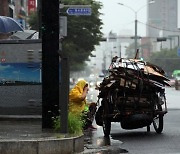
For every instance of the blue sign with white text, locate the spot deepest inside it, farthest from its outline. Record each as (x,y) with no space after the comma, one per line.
(79,11)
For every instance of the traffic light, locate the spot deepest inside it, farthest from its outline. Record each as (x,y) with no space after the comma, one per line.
(103,39)
(160,39)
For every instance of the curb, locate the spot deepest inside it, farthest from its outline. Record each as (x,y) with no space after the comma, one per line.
(20,117)
(31,144)
(43,146)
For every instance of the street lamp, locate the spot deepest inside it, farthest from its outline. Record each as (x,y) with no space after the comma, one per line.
(135,12)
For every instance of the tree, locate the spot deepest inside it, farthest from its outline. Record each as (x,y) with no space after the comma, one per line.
(166,59)
(130,53)
(83,34)
(33,21)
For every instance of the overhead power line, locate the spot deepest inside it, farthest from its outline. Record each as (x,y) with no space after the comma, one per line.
(158,27)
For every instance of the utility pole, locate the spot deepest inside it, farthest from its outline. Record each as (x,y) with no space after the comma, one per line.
(120,51)
(50,62)
(135,12)
(135,37)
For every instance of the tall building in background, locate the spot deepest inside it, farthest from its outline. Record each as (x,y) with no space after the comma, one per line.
(162,18)
(162,21)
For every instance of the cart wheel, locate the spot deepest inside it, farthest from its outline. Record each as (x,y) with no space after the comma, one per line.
(106,126)
(148,128)
(158,120)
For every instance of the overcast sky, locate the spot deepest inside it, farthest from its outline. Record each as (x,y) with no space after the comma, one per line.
(120,19)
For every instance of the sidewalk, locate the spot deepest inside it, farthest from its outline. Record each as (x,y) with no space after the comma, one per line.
(25,136)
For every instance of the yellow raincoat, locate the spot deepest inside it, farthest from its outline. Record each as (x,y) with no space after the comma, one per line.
(76,105)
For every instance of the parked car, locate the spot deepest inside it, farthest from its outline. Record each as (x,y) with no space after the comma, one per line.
(177,82)
(176,75)
(172,82)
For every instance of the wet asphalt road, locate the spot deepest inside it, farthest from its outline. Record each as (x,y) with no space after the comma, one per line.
(139,141)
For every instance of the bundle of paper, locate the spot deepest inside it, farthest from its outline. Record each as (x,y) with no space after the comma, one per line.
(134,75)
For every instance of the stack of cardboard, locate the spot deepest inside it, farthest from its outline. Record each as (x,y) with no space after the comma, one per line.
(135,75)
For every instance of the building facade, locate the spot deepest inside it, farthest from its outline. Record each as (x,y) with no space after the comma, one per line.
(162,21)
(18,9)
(162,18)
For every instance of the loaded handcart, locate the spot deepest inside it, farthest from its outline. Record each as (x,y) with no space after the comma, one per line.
(133,93)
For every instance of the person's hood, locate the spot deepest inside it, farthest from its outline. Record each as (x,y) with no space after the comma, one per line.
(80,85)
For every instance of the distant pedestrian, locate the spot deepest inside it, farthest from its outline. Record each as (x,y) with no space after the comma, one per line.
(79,106)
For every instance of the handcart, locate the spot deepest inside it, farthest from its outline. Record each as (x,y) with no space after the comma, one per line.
(133,93)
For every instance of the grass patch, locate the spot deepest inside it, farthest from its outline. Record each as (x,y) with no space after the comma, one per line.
(75,124)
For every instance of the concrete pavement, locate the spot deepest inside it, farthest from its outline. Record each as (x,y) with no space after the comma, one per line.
(24,135)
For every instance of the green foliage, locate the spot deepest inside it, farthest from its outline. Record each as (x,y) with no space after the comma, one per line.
(83,34)
(130,51)
(33,21)
(166,59)
(75,124)
(56,123)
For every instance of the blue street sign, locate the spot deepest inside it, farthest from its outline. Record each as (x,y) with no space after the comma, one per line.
(79,11)
(178,52)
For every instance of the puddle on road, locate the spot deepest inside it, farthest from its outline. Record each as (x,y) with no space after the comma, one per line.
(95,142)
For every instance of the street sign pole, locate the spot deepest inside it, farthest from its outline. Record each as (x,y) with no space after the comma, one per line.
(64,75)
(64,94)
